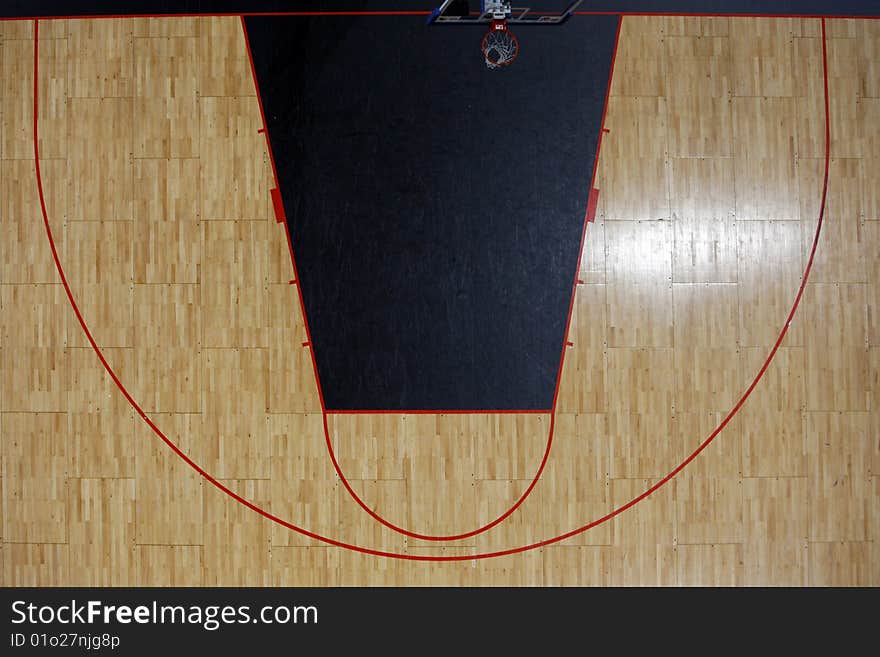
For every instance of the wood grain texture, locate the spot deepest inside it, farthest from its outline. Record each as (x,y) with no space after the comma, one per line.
(157,186)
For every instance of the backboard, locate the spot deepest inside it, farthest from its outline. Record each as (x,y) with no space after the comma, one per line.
(482,12)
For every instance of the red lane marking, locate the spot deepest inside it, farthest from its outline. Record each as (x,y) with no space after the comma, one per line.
(327,440)
(592,204)
(417,557)
(278,204)
(439,411)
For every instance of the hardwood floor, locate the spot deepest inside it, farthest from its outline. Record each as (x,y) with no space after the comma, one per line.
(157,189)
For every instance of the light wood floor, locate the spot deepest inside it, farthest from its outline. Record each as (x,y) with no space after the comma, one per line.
(157,189)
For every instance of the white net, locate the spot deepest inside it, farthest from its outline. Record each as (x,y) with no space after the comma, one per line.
(500,47)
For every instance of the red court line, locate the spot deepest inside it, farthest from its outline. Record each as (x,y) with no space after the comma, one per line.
(426,13)
(419,557)
(457,411)
(438,411)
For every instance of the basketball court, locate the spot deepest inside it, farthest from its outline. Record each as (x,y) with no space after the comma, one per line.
(318,298)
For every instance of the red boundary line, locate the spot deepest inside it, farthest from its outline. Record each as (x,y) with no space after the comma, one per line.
(402,555)
(426,13)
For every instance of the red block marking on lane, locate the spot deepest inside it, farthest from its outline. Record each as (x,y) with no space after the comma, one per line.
(592,204)
(280,217)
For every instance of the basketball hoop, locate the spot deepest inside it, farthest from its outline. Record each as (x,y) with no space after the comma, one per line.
(500,46)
